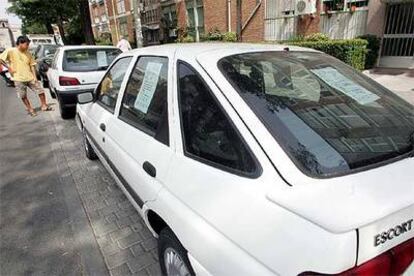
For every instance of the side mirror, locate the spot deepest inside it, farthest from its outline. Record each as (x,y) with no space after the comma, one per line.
(85,98)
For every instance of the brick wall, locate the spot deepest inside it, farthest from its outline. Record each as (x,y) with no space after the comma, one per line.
(254,31)
(216,16)
(181,15)
(129,18)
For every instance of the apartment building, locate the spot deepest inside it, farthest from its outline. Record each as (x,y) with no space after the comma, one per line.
(113,19)
(164,21)
(99,19)
(121,20)
(391,20)
(151,22)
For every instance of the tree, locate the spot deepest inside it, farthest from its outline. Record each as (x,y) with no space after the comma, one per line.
(34,28)
(85,20)
(32,13)
(63,13)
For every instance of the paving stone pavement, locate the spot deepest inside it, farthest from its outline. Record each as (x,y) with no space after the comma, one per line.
(127,245)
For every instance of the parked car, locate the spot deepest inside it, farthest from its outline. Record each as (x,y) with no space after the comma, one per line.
(4,73)
(249,159)
(43,55)
(77,69)
(40,39)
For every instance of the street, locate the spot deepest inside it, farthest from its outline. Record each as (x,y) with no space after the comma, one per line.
(61,214)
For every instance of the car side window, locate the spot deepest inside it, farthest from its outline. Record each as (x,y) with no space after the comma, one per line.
(144,105)
(208,134)
(108,90)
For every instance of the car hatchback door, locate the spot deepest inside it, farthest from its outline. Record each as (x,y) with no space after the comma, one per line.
(138,140)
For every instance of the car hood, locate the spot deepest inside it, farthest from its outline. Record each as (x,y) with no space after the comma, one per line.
(349,202)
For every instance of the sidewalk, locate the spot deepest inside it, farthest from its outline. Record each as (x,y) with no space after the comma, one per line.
(399,81)
(43,227)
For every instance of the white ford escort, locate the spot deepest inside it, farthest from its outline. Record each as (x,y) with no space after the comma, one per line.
(258,159)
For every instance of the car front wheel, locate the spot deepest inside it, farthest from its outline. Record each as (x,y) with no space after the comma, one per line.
(172,255)
(89,151)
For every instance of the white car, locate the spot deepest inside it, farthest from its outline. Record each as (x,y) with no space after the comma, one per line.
(257,159)
(77,69)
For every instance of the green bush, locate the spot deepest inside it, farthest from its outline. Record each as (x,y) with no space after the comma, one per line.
(212,35)
(316,37)
(187,39)
(230,37)
(215,35)
(103,41)
(373,47)
(350,51)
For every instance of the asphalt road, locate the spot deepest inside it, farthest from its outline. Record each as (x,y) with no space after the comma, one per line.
(60,213)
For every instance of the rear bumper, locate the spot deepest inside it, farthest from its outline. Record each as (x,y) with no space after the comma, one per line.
(69,98)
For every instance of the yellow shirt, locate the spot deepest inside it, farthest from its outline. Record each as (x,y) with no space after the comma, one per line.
(20,62)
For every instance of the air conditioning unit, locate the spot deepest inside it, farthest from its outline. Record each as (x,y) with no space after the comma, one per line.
(305,7)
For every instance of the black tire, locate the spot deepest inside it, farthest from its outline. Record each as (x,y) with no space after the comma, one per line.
(89,151)
(52,93)
(67,112)
(167,240)
(46,85)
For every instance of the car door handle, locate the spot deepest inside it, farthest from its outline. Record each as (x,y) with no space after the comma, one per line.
(149,169)
(102,127)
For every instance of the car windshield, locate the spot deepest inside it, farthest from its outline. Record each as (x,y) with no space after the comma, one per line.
(329,118)
(85,60)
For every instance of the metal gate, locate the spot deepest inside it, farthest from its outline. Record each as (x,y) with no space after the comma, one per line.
(398,40)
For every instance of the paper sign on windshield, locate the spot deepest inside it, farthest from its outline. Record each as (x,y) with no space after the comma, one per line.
(338,81)
(101,59)
(146,92)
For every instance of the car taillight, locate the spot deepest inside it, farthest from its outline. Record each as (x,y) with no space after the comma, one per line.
(392,262)
(67,81)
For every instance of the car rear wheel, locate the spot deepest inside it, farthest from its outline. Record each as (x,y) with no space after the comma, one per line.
(89,151)
(52,93)
(172,255)
(45,83)
(67,112)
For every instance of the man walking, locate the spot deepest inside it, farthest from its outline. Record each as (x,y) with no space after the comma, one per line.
(123,45)
(21,67)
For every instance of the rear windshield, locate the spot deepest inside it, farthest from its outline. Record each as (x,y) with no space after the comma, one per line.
(49,49)
(84,60)
(329,118)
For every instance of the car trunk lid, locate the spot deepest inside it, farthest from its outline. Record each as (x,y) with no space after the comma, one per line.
(372,202)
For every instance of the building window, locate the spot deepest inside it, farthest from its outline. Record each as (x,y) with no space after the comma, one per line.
(343,5)
(120,5)
(123,27)
(195,18)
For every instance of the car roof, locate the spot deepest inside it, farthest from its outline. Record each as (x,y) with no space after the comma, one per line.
(76,47)
(192,50)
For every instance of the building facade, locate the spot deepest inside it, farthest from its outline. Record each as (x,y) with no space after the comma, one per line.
(121,20)
(391,20)
(163,21)
(222,14)
(112,19)
(151,22)
(100,20)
